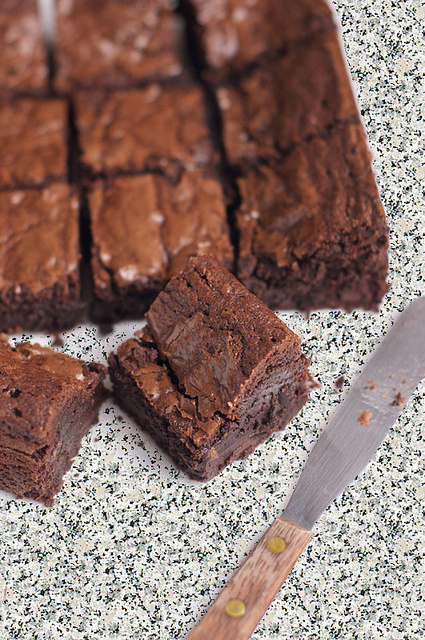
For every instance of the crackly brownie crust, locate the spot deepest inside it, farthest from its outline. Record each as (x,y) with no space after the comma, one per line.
(279,104)
(215,372)
(33,135)
(104,43)
(161,129)
(39,260)
(234,34)
(48,401)
(312,230)
(144,228)
(23,66)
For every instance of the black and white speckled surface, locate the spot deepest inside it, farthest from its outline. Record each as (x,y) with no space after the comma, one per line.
(132,549)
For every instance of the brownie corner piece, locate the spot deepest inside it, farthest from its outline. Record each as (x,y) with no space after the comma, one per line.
(233,35)
(312,229)
(160,225)
(302,94)
(48,401)
(23,62)
(40,285)
(214,373)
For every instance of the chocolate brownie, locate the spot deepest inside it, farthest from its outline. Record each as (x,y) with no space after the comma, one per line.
(33,135)
(156,128)
(300,95)
(48,401)
(23,66)
(234,34)
(105,43)
(144,229)
(214,373)
(39,259)
(312,230)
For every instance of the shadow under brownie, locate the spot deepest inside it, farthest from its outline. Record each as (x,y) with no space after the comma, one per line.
(214,374)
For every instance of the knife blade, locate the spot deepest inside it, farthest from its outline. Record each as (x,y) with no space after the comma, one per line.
(341,452)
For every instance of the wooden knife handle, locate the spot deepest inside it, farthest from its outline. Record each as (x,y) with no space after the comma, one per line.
(247,596)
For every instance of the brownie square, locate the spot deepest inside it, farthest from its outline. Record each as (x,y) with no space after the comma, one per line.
(23,66)
(234,34)
(312,230)
(48,401)
(157,129)
(105,43)
(144,229)
(39,259)
(33,142)
(302,94)
(214,373)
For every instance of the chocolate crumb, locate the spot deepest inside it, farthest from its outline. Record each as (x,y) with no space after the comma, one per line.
(371,385)
(105,328)
(57,340)
(399,400)
(339,382)
(120,418)
(364,418)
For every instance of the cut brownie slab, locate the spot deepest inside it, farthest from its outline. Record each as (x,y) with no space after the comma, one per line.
(39,259)
(234,34)
(104,43)
(157,128)
(144,229)
(300,95)
(48,401)
(23,66)
(33,135)
(312,230)
(214,373)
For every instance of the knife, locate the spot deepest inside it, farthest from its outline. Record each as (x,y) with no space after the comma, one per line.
(343,450)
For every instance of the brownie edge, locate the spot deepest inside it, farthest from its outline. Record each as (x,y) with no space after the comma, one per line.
(214,374)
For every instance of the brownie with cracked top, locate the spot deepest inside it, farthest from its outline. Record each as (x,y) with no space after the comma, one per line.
(33,142)
(305,93)
(23,65)
(104,43)
(214,373)
(232,35)
(39,259)
(48,401)
(162,129)
(144,229)
(311,226)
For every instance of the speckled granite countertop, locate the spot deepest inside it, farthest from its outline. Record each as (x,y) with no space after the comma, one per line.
(132,549)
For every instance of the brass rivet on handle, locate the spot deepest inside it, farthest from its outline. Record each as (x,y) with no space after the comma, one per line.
(235,608)
(276,545)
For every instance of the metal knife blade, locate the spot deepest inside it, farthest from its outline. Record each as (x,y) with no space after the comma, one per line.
(342,451)
(362,421)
